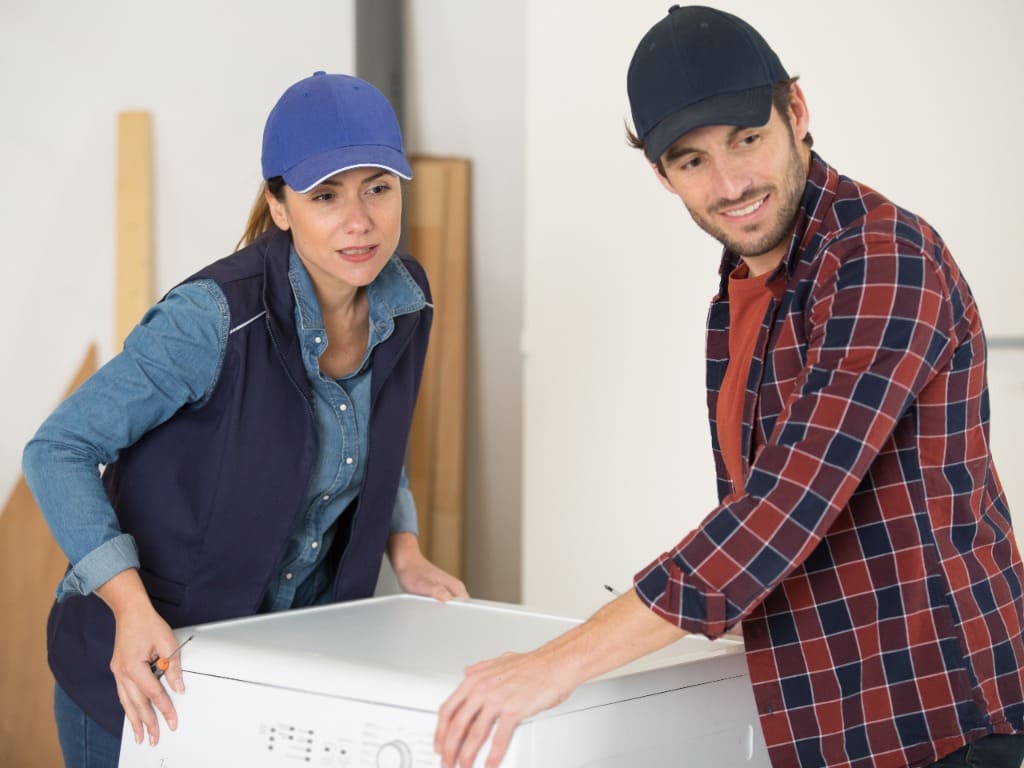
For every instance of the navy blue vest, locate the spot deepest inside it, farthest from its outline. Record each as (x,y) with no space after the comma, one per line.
(212,495)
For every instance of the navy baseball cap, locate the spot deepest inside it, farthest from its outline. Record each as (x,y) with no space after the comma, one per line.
(699,66)
(326,124)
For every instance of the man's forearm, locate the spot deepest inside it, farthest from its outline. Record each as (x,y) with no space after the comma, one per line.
(620,632)
(498,694)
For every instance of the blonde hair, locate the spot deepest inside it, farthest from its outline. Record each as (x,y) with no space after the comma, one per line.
(260,220)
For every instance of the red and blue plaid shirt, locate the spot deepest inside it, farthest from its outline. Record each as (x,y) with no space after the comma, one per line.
(870,554)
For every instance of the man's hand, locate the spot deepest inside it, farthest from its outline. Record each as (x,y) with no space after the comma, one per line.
(497,695)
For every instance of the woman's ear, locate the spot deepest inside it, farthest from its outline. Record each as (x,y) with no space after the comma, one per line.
(278,210)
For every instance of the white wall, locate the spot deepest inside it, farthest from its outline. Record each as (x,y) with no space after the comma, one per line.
(915,98)
(209,72)
(465,97)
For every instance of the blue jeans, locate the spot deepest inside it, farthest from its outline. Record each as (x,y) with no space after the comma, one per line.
(994,751)
(84,742)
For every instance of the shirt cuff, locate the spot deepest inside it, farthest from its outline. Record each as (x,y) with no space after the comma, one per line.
(99,566)
(681,598)
(403,520)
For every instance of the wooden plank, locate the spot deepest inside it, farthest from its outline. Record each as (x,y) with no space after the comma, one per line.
(134,264)
(31,565)
(437,211)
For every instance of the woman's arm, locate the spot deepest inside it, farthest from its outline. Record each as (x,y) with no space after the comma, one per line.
(171,359)
(414,572)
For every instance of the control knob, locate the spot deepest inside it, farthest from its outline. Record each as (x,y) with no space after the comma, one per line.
(394,754)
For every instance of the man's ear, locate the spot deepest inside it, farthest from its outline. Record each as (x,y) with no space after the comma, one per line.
(799,115)
(278,210)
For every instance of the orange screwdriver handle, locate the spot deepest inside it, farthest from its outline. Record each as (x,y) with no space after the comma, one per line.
(162,664)
(159,666)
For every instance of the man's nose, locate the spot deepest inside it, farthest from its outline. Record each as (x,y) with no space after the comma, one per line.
(732,180)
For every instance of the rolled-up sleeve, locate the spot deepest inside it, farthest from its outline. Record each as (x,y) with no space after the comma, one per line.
(99,566)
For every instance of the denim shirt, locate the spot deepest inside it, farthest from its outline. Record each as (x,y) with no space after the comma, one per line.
(172,360)
(342,414)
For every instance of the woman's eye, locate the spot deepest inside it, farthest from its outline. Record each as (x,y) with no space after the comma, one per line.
(324,196)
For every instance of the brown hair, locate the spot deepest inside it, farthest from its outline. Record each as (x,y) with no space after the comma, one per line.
(260,220)
(782,95)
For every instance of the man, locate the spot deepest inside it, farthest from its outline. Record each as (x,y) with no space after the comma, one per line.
(863,540)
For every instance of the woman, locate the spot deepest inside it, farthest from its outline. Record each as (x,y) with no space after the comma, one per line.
(253,428)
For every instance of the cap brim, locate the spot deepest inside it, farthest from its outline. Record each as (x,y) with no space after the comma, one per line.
(743,108)
(310,172)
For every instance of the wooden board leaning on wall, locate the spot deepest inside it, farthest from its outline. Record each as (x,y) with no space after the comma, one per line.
(437,229)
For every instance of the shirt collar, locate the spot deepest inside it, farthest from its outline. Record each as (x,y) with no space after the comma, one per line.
(393,292)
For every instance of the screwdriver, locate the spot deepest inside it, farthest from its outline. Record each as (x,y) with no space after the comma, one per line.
(160,665)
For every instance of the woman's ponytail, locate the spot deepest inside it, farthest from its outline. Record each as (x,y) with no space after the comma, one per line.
(260,220)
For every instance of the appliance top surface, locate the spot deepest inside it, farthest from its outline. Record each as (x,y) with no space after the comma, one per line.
(413,650)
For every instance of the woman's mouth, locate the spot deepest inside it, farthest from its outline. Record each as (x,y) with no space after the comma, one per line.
(358,254)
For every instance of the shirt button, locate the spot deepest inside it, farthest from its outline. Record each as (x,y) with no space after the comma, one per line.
(343,407)
(348,459)
(326,497)
(317,339)
(314,545)
(288,577)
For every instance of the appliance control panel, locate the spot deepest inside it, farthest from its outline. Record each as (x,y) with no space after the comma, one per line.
(229,722)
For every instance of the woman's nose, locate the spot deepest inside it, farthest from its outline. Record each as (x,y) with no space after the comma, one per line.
(356,219)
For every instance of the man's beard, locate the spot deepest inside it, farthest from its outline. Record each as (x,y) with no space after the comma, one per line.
(789,194)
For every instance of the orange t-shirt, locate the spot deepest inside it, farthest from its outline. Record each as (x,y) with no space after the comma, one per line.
(748,301)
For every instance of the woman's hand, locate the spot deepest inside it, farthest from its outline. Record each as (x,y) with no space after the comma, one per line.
(417,575)
(141,636)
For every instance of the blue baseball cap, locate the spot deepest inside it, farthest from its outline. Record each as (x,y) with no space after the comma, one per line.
(327,124)
(699,66)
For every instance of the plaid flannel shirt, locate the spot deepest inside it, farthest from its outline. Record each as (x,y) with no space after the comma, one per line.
(870,555)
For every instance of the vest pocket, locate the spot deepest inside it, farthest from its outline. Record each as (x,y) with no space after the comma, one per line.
(164,590)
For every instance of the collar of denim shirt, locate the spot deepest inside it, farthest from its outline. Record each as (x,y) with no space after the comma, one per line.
(394,292)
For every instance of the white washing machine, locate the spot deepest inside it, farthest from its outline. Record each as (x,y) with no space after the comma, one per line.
(360,684)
